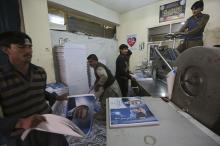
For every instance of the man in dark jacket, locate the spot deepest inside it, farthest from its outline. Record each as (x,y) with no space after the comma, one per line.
(122,69)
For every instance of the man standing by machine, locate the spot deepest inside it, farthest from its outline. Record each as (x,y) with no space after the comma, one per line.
(105,84)
(194,27)
(122,69)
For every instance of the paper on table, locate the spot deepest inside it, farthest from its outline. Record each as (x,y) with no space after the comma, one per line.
(170,82)
(56,124)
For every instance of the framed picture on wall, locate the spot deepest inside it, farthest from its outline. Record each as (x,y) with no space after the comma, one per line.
(171,11)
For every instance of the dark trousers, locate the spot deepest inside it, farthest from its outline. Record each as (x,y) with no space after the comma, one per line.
(39,138)
(123,84)
(188,44)
(2,140)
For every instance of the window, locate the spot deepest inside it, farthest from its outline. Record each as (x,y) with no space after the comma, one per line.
(75,21)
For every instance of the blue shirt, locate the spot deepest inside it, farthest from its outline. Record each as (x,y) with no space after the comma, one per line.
(194,27)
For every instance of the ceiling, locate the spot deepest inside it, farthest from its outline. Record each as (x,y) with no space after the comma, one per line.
(122,6)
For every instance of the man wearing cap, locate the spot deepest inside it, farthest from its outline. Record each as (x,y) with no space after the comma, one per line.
(22,94)
(194,27)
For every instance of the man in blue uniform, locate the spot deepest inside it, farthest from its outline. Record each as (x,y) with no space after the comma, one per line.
(194,27)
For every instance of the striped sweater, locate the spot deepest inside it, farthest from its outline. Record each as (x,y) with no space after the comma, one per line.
(22,97)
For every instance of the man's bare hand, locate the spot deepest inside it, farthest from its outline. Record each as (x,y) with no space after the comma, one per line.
(30,122)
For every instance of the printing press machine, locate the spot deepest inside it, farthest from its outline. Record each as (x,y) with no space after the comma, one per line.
(195,91)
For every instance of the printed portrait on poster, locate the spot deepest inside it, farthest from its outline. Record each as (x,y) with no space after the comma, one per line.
(171,11)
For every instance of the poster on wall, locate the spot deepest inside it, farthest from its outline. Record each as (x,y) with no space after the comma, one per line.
(132,41)
(171,11)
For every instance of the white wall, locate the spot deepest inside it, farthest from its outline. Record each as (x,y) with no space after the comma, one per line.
(138,21)
(91,8)
(105,49)
(36,25)
(212,31)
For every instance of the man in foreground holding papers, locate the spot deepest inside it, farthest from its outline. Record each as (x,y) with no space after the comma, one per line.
(105,84)
(22,93)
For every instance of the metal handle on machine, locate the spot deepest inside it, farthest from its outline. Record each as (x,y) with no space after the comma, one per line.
(163,58)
